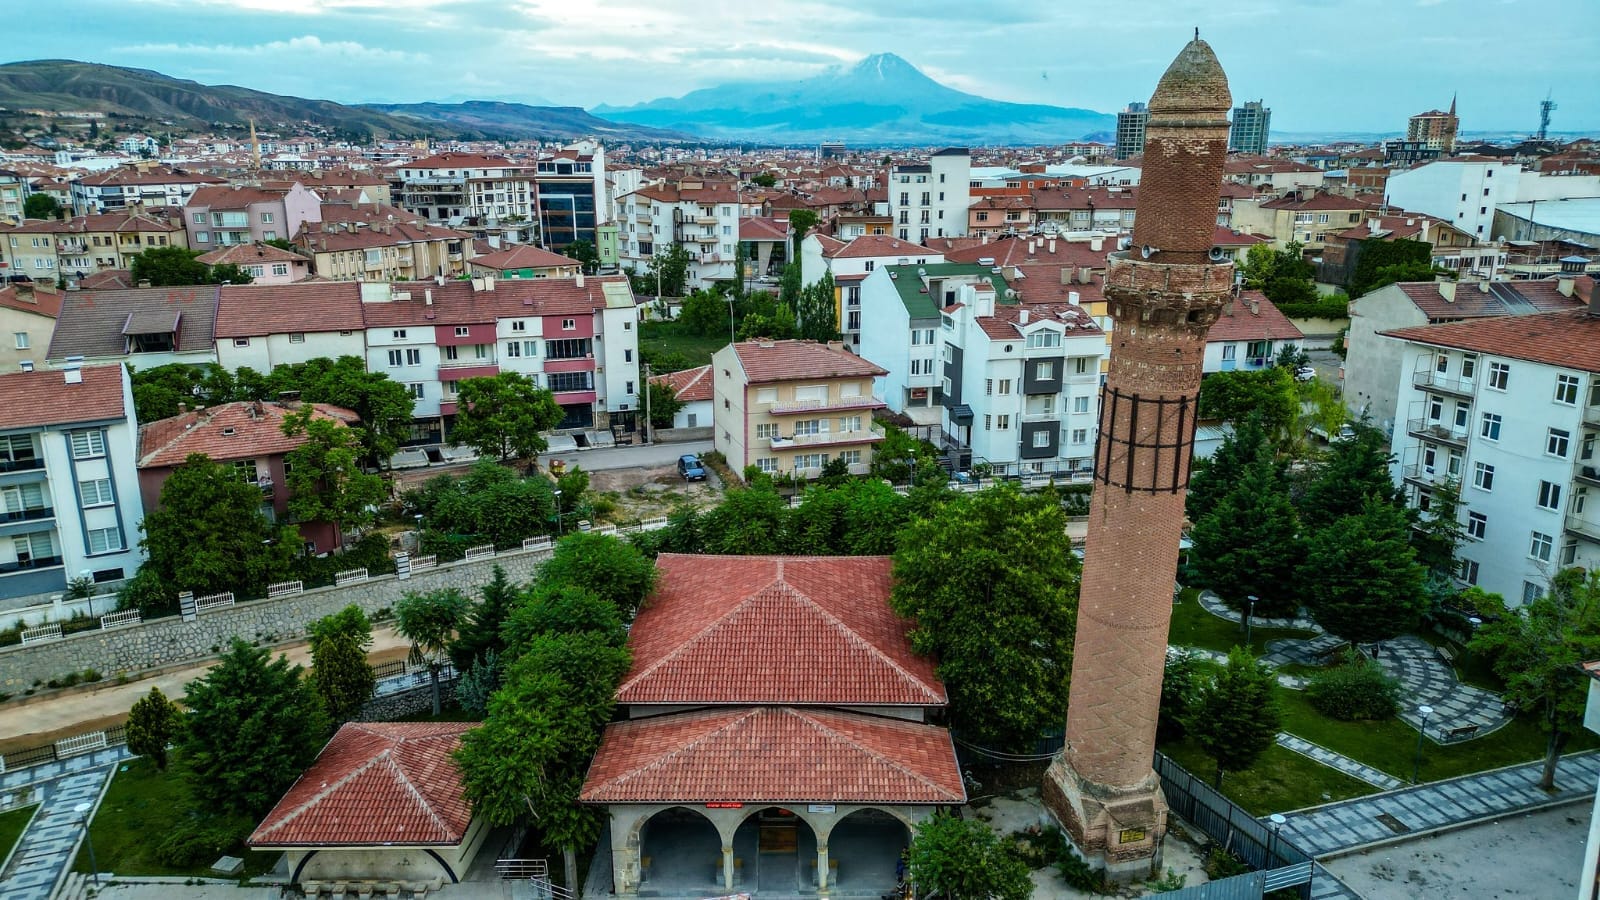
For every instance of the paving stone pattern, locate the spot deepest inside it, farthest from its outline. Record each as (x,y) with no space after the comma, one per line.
(1361,771)
(1427,680)
(47,847)
(1216,606)
(1338,828)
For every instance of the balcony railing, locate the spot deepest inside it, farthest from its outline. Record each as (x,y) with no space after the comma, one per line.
(1427,378)
(824,438)
(1583,528)
(29,565)
(1588,475)
(795,407)
(21,465)
(1591,416)
(1436,431)
(1426,474)
(31,514)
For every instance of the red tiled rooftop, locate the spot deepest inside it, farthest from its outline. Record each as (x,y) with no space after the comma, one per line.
(767,361)
(43,397)
(759,629)
(39,298)
(688,385)
(1565,340)
(251,310)
(774,754)
(250,255)
(1252,317)
(523,256)
(231,431)
(375,783)
(879,245)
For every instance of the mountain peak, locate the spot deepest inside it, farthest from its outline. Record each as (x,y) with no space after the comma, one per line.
(886,67)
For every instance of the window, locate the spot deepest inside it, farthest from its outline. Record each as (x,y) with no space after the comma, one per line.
(297,337)
(451,388)
(1530,592)
(519,325)
(199,219)
(104,540)
(266,218)
(87,444)
(202,237)
(1541,546)
(849,423)
(1567,389)
(398,334)
(95,492)
(808,426)
(922,367)
(462,330)
(1005,386)
(766,431)
(513,349)
(1044,371)
(1041,438)
(1002,423)
(988,386)
(1499,375)
(870,265)
(1469,571)
(1044,339)
(396,359)
(768,464)
(1549,495)
(1558,442)
(1442,364)
(1491,426)
(850,457)
(571,381)
(413,356)
(451,354)
(1230,351)
(1080,365)
(988,423)
(1477,525)
(280,268)
(417,392)
(569,325)
(1080,404)
(1080,435)
(22,340)
(34,549)
(627,356)
(1483,476)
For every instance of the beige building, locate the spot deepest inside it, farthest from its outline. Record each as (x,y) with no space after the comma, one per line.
(27,319)
(1309,218)
(381,243)
(44,249)
(791,407)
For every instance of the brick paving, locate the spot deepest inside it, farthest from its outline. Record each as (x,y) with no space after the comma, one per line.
(1357,770)
(47,847)
(1217,607)
(1427,680)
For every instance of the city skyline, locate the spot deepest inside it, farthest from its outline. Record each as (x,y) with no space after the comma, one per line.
(1396,60)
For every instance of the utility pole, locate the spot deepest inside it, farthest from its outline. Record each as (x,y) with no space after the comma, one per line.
(647,403)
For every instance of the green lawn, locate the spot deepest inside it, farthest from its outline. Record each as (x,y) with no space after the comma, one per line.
(142,806)
(663,344)
(1192,626)
(1279,781)
(11,825)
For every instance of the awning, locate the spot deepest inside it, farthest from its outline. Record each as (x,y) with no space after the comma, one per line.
(961,414)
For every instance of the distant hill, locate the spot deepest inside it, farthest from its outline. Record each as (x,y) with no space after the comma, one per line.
(882,100)
(518,121)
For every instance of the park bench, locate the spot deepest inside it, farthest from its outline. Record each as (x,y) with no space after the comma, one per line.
(1460,733)
(1446,655)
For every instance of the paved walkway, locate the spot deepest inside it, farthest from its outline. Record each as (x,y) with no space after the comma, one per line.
(1427,680)
(1357,770)
(1337,828)
(47,847)
(1217,607)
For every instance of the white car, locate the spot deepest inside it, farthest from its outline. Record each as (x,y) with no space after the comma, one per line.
(1305,373)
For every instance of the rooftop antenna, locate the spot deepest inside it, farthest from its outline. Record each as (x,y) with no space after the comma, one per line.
(1545,107)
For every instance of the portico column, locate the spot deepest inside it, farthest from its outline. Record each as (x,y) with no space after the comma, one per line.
(727,868)
(822,868)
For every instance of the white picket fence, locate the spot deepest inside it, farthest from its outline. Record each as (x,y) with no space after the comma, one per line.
(213,601)
(541,542)
(482,551)
(350,576)
(285,589)
(80,743)
(418,563)
(43,633)
(119,619)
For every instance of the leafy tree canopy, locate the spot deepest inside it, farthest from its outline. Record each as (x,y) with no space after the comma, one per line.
(1361,579)
(1269,393)
(326,481)
(965,858)
(1235,714)
(505,416)
(1248,545)
(153,723)
(1355,469)
(610,568)
(208,533)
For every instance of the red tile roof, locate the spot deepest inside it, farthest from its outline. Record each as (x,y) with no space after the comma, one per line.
(688,385)
(43,397)
(1565,340)
(251,254)
(1006,324)
(1015,251)
(233,196)
(767,361)
(375,783)
(1239,322)
(251,310)
(523,256)
(773,754)
(1321,200)
(759,629)
(456,303)
(41,299)
(231,431)
(125,175)
(106,280)
(878,246)
(760,228)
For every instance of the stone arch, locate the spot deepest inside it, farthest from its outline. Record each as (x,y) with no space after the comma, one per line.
(865,845)
(686,852)
(778,846)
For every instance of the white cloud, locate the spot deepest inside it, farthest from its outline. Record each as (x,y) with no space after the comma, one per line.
(305,45)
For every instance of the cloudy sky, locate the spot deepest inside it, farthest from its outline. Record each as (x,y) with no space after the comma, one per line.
(1357,65)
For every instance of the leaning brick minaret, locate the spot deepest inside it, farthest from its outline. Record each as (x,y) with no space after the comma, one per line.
(1164,291)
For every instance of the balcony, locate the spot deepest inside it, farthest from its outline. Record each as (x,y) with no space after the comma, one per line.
(710,259)
(1591,416)
(1426,476)
(21,465)
(1589,475)
(32,514)
(1431,380)
(462,369)
(799,407)
(71,247)
(705,220)
(29,565)
(1583,528)
(644,219)
(704,239)
(827,438)
(1432,430)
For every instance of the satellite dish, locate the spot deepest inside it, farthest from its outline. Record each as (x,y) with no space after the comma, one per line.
(1217,254)
(1146,250)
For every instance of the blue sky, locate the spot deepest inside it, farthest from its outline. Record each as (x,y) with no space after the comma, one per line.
(1356,65)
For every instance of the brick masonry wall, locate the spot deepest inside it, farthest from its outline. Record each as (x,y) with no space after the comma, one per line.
(164,642)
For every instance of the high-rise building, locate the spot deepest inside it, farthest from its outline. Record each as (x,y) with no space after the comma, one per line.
(1251,122)
(1437,129)
(1164,293)
(1130,130)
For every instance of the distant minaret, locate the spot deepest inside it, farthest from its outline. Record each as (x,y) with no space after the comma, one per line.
(1165,292)
(255,148)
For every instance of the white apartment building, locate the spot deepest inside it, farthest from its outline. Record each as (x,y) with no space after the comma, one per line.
(850,262)
(1510,408)
(900,320)
(468,188)
(69,489)
(930,200)
(1465,193)
(698,215)
(138,185)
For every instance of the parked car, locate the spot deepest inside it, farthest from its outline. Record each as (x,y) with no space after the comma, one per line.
(1305,373)
(690,467)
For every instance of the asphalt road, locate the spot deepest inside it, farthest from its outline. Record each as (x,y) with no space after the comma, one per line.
(637,456)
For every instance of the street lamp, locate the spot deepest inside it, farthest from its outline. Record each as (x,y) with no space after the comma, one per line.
(82,809)
(558,511)
(1249,618)
(1277,820)
(1422,730)
(911,465)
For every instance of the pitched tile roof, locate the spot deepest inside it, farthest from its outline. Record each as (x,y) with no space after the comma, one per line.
(252,310)
(1252,317)
(456,303)
(106,280)
(41,299)
(251,254)
(1006,324)
(1565,340)
(879,246)
(233,196)
(761,228)
(1022,251)
(375,783)
(688,385)
(1472,301)
(759,629)
(773,754)
(523,256)
(91,322)
(231,431)
(43,397)
(767,361)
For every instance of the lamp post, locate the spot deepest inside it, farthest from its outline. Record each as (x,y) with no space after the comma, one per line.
(558,511)
(1422,730)
(911,466)
(1249,618)
(82,809)
(1277,820)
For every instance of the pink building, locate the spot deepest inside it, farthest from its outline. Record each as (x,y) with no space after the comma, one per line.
(225,215)
(265,263)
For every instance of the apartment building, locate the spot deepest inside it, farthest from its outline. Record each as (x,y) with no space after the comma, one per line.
(791,407)
(142,328)
(1467,192)
(930,200)
(264,263)
(524,261)
(850,262)
(140,185)
(262,326)
(571,195)
(228,215)
(490,193)
(1131,123)
(372,242)
(1308,218)
(1019,383)
(1108,209)
(1248,335)
(1509,408)
(47,249)
(13,192)
(1435,128)
(699,215)
(1251,124)
(27,319)
(1272,175)
(68,485)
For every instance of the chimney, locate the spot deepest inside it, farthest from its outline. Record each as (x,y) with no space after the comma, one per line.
(1447,290)
(144,283)
(488,282)
(72,370)
(1052,246)
(1022,317)
(1255,307)
(1565,285)
(1097,244)
(427,296)
(1084,275)
(579,278)
(1066,274)
(1072,297)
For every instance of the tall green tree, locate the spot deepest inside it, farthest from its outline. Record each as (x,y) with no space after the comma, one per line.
(153,723)
(1249,544)
(764,179)
(505,416)
(208,533)
(559,609)
(1268,393)
(586,255)
(1439,533)
(1538,652)
(480,632)
(667,276)
(326,481)
(747,521)
(490,503)
(340,673)
(996,606)
(704,313)
(1235,714)
(818,312)
(801,221)
(1212,478)
(965,859)
(1361,579)
(429,621)
(170,266)
(1353,470)
(41,206)
(611,568)
(790,285)
(664,405)
(159,390)
(253,726)
(228,273)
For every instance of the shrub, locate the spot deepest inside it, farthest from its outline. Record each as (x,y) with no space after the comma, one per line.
(191,845)
(1357,689)
(1221,864)
(1077,872)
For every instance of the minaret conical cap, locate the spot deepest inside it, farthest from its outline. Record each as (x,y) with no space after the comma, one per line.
(1194,83)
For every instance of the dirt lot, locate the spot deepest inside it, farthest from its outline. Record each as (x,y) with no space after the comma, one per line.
(646,492)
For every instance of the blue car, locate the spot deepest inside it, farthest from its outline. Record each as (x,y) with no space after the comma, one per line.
(690,468)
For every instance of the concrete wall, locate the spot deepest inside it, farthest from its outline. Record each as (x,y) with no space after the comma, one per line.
(162,642)
(1319,333)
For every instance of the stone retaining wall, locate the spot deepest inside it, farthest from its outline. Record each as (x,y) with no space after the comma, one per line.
(408,702)
(162,642)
